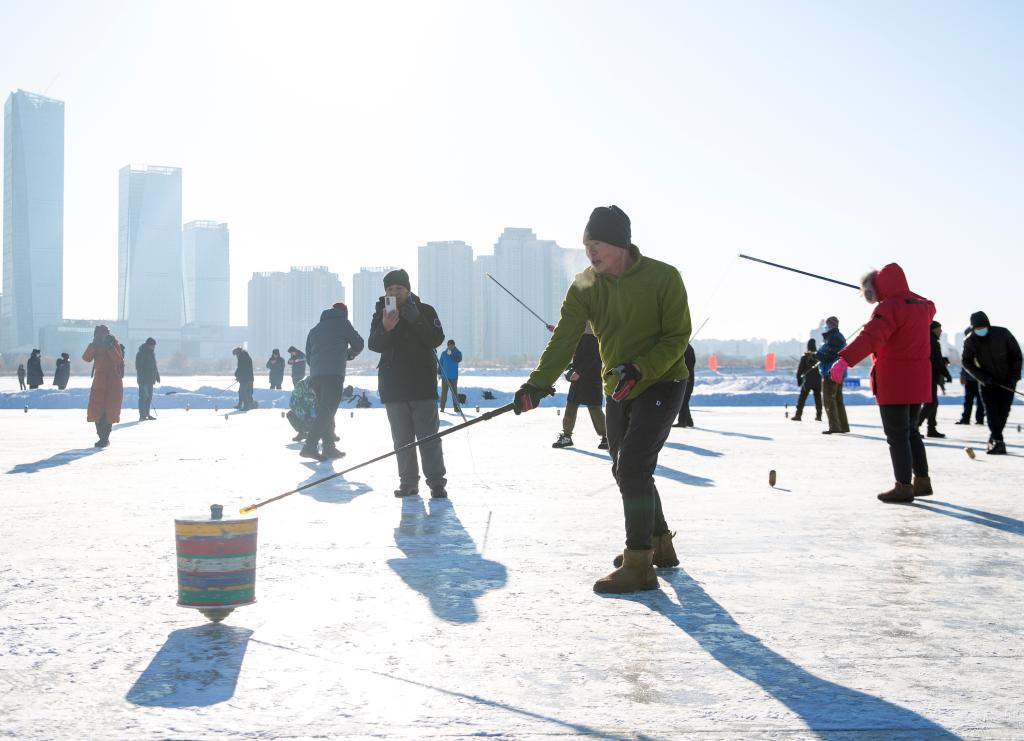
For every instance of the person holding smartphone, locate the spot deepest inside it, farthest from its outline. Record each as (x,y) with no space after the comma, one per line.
(406,332)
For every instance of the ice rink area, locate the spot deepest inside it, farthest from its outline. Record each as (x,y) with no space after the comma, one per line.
(809,610)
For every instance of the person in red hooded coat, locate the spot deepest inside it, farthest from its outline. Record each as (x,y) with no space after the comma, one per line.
(898,337)
(107,390)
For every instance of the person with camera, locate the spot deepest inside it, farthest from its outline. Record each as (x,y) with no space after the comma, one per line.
(107,390)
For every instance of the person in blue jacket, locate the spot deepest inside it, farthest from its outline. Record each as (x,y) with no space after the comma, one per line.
(449,362)
(827,355)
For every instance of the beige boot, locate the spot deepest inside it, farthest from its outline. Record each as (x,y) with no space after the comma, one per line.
(922,486)
(664,553)
(898,494)
(635,575)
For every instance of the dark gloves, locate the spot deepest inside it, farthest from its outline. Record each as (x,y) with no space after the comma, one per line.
(628,375)
(409,311)
(528,397)
(949,378)
(568,373)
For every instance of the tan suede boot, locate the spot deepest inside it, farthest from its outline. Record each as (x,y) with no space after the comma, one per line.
(898,494)
(635,575)
(922,486)
(664,553)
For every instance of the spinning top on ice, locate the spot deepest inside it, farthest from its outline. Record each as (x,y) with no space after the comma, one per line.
(772,477)
(216,408)
(216,562)
(225,418)
(970,453)
(187,407)
(26,409)
(478,411)
(282,415)
(351,414)
(558,412)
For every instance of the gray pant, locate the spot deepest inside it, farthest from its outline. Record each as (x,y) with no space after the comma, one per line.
(415,420)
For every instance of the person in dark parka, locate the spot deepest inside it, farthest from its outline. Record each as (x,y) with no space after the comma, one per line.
(276,367)
(245,377)
(972,395)
(21,376)
(832,390)
(297,360)
(35,370)
(406,338)
(146,375)
(62,374)
(809,379)
(585,389)
(940,377)
(329,346)
(992,355)
(685,418)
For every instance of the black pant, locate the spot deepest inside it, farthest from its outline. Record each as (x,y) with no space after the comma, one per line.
(806,390)
(328,396)
(906,448)
(637,429)
(972,395)
(685,418)
(997,406)
(145,399)
(930,410)
(245,395)
(103,428)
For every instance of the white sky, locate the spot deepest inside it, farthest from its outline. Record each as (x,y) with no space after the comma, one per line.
(832,136)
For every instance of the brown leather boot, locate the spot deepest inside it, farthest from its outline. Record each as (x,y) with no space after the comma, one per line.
(922,486)
(898,494)
(635,575)
(664,553)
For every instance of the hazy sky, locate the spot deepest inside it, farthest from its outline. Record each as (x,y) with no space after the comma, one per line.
(835,136)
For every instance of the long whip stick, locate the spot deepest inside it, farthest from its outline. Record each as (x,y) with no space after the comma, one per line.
(517,299)
(802,272)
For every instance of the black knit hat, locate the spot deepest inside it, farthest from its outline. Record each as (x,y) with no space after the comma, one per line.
(609,224)
(980,319)
(812,346)
(397,278)
(936,325)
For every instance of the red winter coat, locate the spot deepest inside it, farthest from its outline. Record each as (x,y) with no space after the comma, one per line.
(899,335)
(107,389)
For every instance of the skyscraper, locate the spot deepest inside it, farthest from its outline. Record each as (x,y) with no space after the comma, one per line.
(367,287)
(483,309)
(150,288)
(207,273)
(445,282)
(33,280)
(283,307)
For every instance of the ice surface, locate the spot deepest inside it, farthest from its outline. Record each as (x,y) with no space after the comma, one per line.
(805,611)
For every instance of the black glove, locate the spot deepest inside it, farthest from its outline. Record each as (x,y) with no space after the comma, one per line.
(568,373)
(628,375)
(528,397)
(409,311)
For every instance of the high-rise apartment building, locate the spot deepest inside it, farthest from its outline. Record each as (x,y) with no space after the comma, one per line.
(445,282)
(207,273)
(483,297)
(283,307)
(150,287)
(367,287)
(33,227)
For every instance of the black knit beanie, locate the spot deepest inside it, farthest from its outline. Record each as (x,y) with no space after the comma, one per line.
(935,325)
(609,224)
(980,319)
(812,346)
(397,278)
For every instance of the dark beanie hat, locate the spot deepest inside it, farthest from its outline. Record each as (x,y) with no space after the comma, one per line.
(812,345)
(150,341)
(609,224)
(935,325)
(832,323)
(980,319)
(397,278)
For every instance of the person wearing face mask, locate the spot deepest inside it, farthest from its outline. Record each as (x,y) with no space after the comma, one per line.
(897,336)
(993,357)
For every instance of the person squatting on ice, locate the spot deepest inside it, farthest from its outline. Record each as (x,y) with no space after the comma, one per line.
(406,332)
(329,346)
(832,390)
(639,312)
(62,374)
(809,380)
(901,373)
(972,394)
(584,377)
(107,390)
(940,377)
(246,377)
(302,410)
(993,357)
(448,368)
(275,364)
(146,374)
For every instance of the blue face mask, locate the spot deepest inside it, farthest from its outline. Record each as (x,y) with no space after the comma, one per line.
(981,331)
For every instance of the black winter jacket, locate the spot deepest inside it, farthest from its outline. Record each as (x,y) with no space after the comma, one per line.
(589,389)
(244,370)
(35,371)
(807,372)
(276,368)
(298,364)
(994,358)
(940,373)
(331,343)
(63,373)
(407,370)
(145,366)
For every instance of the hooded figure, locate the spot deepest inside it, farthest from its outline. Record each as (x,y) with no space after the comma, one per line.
(297,360)
(245,377)
(107,390)
(832,389)
(276,367)
(897,336)
(992,355)
(808,378)
(35,370)
(63,372)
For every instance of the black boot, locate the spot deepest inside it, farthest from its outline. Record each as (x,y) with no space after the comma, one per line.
(933,432)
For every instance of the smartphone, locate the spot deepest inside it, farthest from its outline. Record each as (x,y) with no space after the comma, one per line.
(390,304)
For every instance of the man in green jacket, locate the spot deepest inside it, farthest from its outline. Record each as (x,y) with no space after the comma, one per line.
(639,312)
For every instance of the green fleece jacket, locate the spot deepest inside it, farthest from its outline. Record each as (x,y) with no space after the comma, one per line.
(642,318)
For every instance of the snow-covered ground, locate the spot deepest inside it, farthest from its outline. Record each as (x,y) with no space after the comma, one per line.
(805,611)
